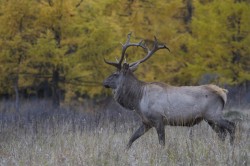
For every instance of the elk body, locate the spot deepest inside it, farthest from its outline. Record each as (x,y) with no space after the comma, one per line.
(159,104)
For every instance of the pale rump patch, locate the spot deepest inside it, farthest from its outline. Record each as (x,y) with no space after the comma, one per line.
(220,91)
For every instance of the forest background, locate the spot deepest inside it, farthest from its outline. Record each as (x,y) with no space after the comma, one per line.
(55,48)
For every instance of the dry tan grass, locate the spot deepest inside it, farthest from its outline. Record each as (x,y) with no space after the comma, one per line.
(67,141)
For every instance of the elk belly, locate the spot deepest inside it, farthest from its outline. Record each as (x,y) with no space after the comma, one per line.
(176,107)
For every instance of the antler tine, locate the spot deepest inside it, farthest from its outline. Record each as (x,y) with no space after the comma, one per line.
(151,52)
(112,63)
(128,44)
(116,59)
(118,64)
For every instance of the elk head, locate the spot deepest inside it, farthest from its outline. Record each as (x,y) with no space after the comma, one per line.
(123,69)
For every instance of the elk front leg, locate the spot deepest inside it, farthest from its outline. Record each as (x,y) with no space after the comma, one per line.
(139,132)
(160,131)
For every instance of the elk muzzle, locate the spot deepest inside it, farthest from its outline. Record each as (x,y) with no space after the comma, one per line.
(106,84)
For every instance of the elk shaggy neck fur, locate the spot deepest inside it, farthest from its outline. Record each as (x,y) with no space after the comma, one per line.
(129,93)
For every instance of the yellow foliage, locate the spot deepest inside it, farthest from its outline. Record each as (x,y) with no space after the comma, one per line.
(39,37)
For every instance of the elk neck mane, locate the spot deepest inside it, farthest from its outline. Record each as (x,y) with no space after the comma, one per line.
(130,91)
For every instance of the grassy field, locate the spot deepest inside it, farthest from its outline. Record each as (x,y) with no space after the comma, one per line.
(74,136)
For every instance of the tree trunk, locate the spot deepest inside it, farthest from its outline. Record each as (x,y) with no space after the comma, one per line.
(16,88)
(189,11)
(188,14)
(55,89)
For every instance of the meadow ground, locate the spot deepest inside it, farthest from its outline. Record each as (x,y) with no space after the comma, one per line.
(75,136)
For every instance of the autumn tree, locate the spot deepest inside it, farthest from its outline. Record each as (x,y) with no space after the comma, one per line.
(63,43)
(16,37)
(73,37)
(58,41)
(219,42)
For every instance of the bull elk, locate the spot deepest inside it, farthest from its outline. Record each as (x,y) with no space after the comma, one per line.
(159,104)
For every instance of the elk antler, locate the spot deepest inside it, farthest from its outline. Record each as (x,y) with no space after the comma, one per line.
(156,47)
(118,64)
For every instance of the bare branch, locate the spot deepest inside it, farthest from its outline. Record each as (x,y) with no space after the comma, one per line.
(79,3)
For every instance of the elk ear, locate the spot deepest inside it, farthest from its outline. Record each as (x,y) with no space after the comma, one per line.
(125,66)
(134,67)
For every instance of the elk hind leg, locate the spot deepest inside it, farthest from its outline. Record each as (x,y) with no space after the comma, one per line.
(223,125)
(230,127)
(222,133)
